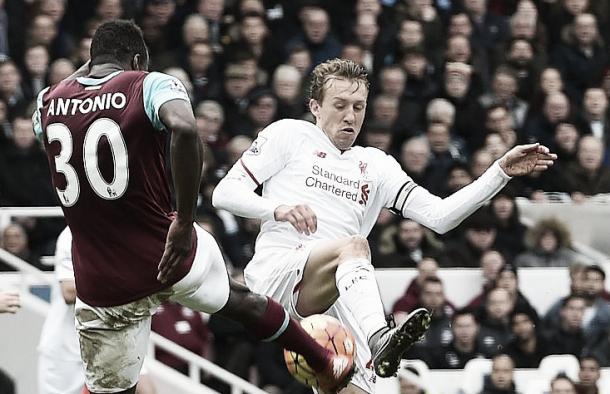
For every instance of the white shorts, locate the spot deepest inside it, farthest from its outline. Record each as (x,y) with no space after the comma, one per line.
(56,376)
(283,286)
(114,340)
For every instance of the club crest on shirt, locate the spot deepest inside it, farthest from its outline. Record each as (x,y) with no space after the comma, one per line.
(362,165)
(256,146)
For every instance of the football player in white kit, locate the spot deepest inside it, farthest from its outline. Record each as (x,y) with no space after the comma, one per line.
(321,197)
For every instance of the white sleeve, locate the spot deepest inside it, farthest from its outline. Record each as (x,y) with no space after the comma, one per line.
(268,154)
(444,214)
(64,269)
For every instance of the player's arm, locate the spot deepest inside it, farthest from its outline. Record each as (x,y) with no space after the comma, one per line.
(186,153)
(444,214)
(68,290)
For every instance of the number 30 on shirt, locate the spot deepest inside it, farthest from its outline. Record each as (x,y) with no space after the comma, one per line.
(102,127)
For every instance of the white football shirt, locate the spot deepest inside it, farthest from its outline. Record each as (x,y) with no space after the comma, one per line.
(297,164)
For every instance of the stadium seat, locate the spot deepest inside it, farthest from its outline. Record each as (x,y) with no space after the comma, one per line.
(538,386)
(474,372)
(553,365)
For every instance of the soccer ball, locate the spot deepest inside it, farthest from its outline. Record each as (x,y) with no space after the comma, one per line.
(328,332)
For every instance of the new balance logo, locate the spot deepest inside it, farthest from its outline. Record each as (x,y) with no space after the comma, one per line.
(320,154)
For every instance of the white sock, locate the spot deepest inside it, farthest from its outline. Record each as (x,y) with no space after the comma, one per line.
(358,290)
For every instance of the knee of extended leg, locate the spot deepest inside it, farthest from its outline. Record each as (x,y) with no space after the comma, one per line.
(356,247)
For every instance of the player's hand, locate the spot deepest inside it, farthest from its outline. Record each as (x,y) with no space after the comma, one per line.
(523,159)
(302,218)
(9,302)
(177,247)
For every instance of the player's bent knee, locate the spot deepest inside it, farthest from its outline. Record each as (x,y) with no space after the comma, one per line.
(356,248)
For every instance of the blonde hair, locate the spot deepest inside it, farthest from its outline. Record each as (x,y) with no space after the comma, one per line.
(333,69)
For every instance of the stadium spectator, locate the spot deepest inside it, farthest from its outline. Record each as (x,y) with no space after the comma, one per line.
(60,69)
(490,263)
(511,233)
(504,87)
(459,176)
(35,70)
(588,375)
(15,241)
(566,140)
(432,297)
(415,160)
(568,336)
(577,287)
(478,235)
(238,81)
(203,71)
(210,121)
(464,345)
(316,36)
(378,135)
(562,385)
(10,88)
(597,314)
(457,88)
(212,11)
(286,85)
(405,245)
(254,37)
(495,332)
(480,161)
(421,75)
(528,346)
(581,57)
(444,152)
(501,379)
(495,145)
(588,176)
(497,120)
(548,243)
(261,111)
(595,114)
(427,268)
(521,56)
(508,280)
(541,125)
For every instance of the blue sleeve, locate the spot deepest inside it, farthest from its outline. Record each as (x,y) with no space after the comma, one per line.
(36,121)
(158,89)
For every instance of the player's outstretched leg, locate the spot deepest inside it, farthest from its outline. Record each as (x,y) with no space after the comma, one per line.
(268,321)
(389,344)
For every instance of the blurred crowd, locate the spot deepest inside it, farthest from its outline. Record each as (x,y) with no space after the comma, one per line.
(454,85)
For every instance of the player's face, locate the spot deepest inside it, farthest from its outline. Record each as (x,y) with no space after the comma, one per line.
(341,112)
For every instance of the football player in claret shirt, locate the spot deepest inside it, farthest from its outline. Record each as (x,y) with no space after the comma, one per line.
(104,130)
(322,196)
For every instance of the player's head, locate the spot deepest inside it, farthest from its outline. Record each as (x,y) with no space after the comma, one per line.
(119,42)
(338,100)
